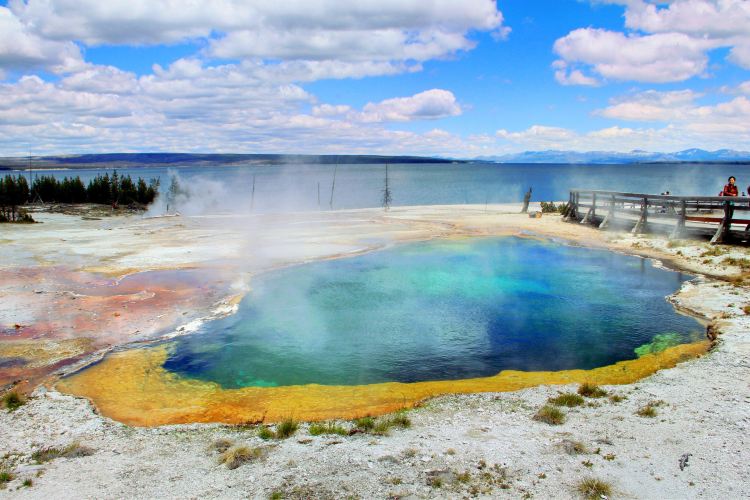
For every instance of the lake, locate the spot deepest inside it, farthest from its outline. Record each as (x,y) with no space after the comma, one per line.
(226,188)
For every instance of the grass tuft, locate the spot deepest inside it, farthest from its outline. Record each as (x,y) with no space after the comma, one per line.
(567,399)
(73,450)
(365,423)
(573,447)
(238,455)
(5,477)
(593,488)
(742,263)
(317,429)
(13,401)
(382,425)
(713,252)
(591,390)
(221,445)
(550,415)
(28,483)
(286,429)
(463,477)
(400,420)
(265,433)
(648,411)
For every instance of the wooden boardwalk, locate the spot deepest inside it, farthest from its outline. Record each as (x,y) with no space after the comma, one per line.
(720,217)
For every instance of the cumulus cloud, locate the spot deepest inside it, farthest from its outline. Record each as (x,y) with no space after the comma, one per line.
(669,41)
(191,107)
(242,89)
(22,50)
(539,136)
(651,106)
(565,76)
(293,29)
(723,124)
(427,105)
(667,57)
(712,18)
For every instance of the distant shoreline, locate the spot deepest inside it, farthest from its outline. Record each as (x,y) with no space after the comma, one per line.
(131,160)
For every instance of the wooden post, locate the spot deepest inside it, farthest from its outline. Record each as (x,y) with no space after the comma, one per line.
(589,217)
(569,208)
(726,223)
(610,215)
(643,219)
(593,206)
(680,226)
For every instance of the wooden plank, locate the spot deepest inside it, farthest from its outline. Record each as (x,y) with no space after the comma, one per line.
(718,199)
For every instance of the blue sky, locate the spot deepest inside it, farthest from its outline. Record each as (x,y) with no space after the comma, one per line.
(440,77)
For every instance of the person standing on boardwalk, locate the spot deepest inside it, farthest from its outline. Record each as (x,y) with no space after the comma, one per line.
(526,200)
(730,189)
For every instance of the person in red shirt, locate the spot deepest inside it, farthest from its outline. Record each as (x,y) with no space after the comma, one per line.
(730,189)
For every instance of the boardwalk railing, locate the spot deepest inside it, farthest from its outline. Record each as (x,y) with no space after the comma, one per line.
(680,213)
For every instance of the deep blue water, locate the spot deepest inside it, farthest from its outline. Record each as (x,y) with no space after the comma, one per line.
(295,187)
(436,311)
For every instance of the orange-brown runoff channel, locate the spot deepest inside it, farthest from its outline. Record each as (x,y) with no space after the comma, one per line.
(134,388)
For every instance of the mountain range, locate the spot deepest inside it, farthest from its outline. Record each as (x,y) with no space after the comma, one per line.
(635,156)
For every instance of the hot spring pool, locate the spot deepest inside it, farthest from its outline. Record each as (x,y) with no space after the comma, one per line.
(440,310)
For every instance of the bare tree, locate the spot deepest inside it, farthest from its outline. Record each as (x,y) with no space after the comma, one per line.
(333,184)
(386,191)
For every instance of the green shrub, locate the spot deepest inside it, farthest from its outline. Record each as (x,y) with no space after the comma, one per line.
(265,433)
(286,429)
(316,429)
(593,488)
(238,455)
(73,450)
(591,390)
(13,401)
(365,423)
(550,415)
(568,399)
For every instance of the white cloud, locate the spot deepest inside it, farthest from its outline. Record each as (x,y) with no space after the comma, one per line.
(386,30)
(669,42)
(427,105)
(101,80)
(572,77)
(740,54)
(667,57)
(651,106)
(712,18)
(23,50)
(722,125)
(331,110)
(189,107)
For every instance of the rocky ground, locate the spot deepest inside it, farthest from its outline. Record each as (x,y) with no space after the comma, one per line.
(681,433)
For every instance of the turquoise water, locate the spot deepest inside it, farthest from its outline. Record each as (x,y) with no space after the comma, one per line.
(436,311)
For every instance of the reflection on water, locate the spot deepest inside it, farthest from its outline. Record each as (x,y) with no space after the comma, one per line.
(437,311)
